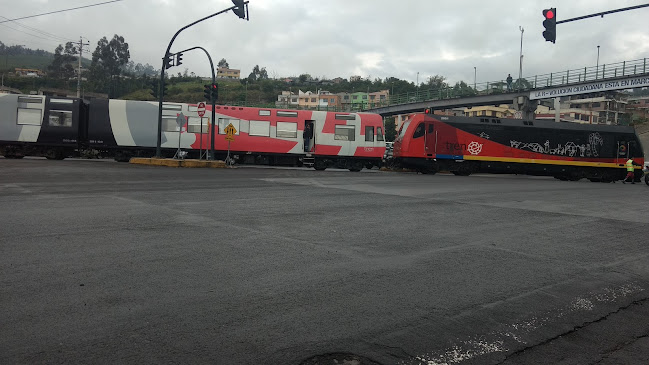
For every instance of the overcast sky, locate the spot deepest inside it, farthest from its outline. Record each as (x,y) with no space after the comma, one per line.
(369,38)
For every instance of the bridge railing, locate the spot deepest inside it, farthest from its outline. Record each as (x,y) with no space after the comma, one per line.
(561,78)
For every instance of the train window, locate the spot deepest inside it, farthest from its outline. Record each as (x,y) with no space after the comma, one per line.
(346,116)
(264,113)
(176,107)
(29,116)
(169,124)
(259,128)
(369,134)
(404,128)
(379,134)
(62,101)
(286,130)
(286,114)
(60,118)
(194,125)
(419,132)
(224,122)
(345,133)
(30,99)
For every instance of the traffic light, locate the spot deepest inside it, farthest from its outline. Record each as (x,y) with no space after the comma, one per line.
(550,24)
(240,9)
(215,92)
(207,93)
(168,61)
(179,59)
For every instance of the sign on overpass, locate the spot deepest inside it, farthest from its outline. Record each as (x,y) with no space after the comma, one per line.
(604,85)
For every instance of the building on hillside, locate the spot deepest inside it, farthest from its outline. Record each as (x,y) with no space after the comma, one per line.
(329,101)
(308,100)
(228,73)
(29,72)
(609,108)
(638,107)
(378,98)
(338,80)
(501,111)
(355,78)
(287,100)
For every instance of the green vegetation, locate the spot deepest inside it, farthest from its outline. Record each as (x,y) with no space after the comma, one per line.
(113,73)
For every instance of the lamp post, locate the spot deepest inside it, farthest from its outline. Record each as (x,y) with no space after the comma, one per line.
(520,68)
(475,76)
(597,67)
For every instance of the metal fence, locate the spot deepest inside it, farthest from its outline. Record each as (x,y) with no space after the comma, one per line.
(561,78)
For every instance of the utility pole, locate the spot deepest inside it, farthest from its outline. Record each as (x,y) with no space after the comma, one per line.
(81,44)
(520,69)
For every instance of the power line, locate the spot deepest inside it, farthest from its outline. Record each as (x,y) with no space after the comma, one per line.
(41,32)
(60,11)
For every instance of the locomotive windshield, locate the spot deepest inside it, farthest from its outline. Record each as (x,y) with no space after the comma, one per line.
(403,129)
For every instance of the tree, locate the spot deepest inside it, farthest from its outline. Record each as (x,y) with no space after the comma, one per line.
(462,89)
(61,67)
(108,59)
(437,82)
(258,74)
(223,63)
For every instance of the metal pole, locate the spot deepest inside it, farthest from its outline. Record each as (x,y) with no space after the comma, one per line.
(79,73)
(520,69)
(475,76)
(597,67)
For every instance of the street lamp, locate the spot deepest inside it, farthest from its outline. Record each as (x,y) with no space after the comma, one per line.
(475,76)
(520,69)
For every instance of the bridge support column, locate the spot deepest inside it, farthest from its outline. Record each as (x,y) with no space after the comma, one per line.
(526,106)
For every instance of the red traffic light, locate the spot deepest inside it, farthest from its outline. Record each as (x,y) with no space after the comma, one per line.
(549,14)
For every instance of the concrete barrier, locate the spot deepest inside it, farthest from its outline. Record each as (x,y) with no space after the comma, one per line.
(178,163)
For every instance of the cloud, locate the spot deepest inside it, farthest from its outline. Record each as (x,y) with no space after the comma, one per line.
(381,38)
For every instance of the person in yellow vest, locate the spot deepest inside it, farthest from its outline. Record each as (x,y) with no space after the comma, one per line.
(630,170)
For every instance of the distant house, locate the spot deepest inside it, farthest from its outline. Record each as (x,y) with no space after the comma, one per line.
(29,72)
(355,78)
(228,73)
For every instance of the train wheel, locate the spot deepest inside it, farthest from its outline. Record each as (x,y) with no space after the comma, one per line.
(356,166)
(319,165)
(53,154)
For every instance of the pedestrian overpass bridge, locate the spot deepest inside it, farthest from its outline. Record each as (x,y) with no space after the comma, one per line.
(524,93)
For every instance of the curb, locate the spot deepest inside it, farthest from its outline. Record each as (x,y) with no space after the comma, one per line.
(177,163)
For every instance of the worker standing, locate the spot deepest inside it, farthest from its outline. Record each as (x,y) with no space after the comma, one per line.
(630,170)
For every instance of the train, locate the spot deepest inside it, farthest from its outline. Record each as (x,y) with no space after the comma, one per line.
(57,128)
(430,143)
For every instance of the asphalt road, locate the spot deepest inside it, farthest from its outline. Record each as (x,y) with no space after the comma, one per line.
(102,262)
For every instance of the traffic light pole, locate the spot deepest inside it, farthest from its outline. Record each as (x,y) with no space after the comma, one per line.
(158,151)
(212,100)
(602,13)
